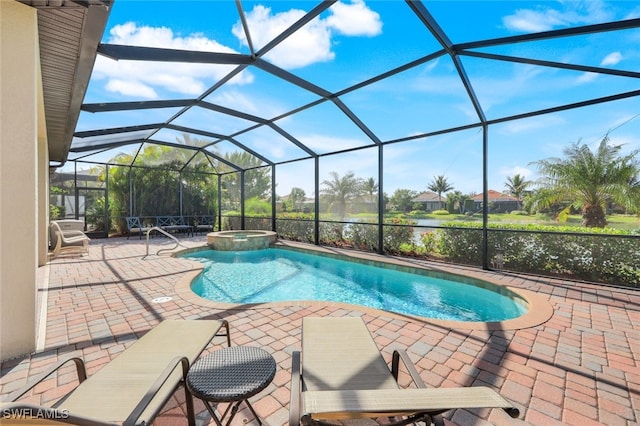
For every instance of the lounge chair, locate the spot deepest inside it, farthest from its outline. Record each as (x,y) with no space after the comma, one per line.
(204,223)
(134,226)
(133,387)
(173,224)
(67,242)
(342,375)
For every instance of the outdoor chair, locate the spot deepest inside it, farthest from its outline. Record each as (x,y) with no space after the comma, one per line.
(180,225)
(133,387)
(67,242)
(173,224)
(134,225)
(204,223)
(341,375)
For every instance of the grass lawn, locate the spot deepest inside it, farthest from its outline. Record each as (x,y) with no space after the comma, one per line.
(626,222)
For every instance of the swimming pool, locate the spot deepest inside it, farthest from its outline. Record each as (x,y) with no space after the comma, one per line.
(276,274)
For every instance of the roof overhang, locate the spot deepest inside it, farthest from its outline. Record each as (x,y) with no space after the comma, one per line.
(69,35)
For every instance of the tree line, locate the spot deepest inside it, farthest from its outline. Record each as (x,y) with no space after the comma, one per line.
(589,181)
(585,180)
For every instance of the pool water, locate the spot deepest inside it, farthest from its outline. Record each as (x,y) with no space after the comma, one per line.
(273,275)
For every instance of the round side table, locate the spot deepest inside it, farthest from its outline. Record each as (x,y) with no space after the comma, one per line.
(231,375)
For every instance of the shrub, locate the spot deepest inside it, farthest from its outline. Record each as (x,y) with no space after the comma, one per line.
(440,212)
(461,242)
(395,235)
(429,241)
(262,223)
(295,226)
(231,222)
(409,249)
(363,236)
(332,233)
(600,255)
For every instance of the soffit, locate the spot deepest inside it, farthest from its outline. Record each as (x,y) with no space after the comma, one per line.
(69,34)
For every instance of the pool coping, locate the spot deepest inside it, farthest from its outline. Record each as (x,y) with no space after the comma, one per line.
(539,309)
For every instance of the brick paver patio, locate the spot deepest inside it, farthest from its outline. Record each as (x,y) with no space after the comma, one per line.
(579,367)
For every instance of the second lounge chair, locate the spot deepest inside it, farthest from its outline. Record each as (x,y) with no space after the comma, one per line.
(342,375)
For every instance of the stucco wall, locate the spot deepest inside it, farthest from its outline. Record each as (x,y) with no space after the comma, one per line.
(42,215)
(19,109)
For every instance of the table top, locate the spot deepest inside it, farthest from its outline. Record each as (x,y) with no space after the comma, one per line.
(231,374)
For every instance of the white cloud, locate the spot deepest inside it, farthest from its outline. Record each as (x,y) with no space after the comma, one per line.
(354,19)
(143,79)
(308,45)
(313,42)
(323,143)
(611,59)
(635,13)
(523,81)
(132,35)
(236,100)
(272,148)
(516,170)
(131,88)
(545,18)
(587,77)
(531,125)
(530,21)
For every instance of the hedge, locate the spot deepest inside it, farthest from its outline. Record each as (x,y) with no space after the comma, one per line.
(599,255)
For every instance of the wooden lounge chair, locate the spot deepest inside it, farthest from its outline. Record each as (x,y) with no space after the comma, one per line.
(133,387)
(67,242)
(342,375)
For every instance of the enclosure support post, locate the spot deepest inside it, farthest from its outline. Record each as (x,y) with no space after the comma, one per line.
(107,217)
(130,194)
(485,198)
(273,198)
(76,198)
(380,202)
(242,223)
(316,232)
(180,193)
(219,203)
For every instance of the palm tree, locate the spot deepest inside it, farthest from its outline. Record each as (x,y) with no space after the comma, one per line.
(591,179)
(257,178)
(439,185)
(296,197)
(370,187)
(340,190)
(517,186)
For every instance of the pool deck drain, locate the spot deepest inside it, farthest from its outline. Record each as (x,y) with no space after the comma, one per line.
(579,367)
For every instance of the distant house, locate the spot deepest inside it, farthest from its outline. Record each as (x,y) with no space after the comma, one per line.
(430,201)
(498,202)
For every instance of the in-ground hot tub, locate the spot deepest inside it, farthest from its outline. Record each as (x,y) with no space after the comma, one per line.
(240,240)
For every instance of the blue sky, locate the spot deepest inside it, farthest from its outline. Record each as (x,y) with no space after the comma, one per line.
(357,40)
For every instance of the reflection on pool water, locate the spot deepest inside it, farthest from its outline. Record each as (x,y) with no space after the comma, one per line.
(275,274)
